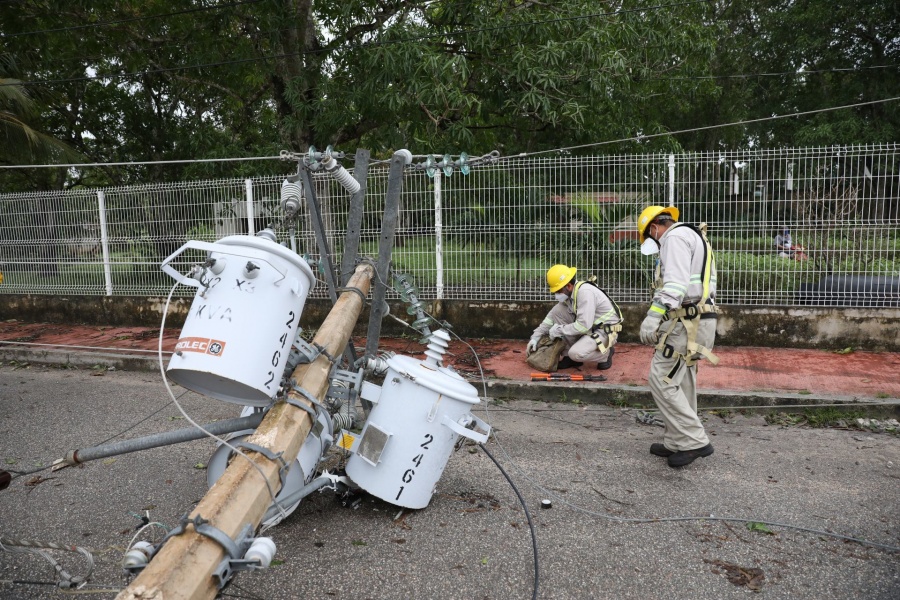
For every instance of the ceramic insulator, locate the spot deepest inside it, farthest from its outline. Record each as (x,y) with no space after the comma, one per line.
(437,346)
(340,174)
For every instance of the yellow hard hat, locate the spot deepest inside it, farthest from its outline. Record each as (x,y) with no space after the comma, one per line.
(558,276)
(650,213)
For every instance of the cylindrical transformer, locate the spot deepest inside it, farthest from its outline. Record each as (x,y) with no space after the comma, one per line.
(300,472)
(243,319)
(420,412)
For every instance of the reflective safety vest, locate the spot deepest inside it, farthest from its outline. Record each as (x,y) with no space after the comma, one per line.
(612,331)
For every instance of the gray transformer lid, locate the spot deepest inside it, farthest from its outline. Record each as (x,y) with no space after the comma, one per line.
(438,379)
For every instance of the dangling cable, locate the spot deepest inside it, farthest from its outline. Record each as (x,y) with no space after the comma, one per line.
(534,547)
(66,581)
(165,379)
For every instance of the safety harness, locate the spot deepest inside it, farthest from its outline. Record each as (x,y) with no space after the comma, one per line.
(612,331)
(690,315)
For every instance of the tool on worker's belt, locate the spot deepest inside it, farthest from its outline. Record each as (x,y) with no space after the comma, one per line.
(565,377)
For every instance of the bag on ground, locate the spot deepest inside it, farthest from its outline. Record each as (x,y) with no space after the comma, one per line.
(546,357)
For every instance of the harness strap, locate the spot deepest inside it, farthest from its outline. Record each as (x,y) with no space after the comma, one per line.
(608,297)
(692,311)
(693,350)
(611,338)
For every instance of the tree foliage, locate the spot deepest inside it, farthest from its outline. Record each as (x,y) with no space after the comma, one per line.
(157,80)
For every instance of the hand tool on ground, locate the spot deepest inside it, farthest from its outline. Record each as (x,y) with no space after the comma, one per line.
(565,377)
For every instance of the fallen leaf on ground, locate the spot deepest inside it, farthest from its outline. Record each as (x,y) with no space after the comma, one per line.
(751,577)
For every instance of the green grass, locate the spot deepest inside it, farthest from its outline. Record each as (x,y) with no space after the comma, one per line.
(826,416)
(462,264)
(744,264)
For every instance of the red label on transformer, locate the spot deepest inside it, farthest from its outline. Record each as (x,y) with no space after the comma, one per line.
(201,345)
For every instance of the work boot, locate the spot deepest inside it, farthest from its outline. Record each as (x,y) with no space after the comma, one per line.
(567,363)
(661,450)
(608,362)
(686,457)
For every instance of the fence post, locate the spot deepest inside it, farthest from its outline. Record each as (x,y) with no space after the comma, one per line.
(671,180)
(438,243)
(248,183)
(104,241)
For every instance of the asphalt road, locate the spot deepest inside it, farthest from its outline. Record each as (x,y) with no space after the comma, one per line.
(473,541)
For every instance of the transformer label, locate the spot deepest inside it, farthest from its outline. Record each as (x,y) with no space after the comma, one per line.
(201,345)
(347,440)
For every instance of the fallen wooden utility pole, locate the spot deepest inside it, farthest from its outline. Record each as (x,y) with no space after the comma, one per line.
(183,567)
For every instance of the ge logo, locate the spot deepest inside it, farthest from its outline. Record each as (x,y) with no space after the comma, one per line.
(215,348)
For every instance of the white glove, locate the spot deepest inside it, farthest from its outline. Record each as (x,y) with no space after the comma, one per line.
(650,328)
(532,345)
(556,332)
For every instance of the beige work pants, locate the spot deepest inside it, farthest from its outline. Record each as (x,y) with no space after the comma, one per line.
(677,400)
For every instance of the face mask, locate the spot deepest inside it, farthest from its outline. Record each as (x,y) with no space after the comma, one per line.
(649,247)
(560,297)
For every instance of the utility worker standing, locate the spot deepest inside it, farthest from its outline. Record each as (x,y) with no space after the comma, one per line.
(585,318)
(681,325)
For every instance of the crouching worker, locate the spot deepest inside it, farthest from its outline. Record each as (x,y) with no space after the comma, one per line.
(583,326)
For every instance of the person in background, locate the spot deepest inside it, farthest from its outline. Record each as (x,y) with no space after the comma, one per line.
(681,326)
(584,317)
(783,244)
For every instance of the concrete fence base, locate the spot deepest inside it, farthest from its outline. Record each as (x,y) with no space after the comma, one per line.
(785,327)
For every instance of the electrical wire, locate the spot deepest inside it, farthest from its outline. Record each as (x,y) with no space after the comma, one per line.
(646,520)
(146,162)
(534,546)
(16,474)
(145,527)
(222,441)
(609,517)
(498,158)
(642,137)
(39,549)
(780,74)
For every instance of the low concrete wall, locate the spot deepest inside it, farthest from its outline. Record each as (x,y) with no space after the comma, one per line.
(828,328)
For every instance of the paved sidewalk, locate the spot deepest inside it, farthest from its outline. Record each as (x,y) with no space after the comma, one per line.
(744,376)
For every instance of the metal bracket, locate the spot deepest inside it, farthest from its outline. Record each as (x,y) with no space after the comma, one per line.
(235,550)
(350,392)
(273,456)
(307,351)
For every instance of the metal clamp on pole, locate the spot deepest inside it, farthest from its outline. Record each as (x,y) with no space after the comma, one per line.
(306,395)
(239,554)
(273,456)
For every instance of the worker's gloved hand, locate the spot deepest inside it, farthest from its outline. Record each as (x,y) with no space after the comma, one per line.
(532,346)
(556,332)
(650,328)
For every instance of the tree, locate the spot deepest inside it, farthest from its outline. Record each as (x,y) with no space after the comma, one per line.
(17,110)
(156,80)
(778,57)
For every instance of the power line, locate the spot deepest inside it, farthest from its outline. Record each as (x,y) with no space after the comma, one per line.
(640,138)
(146,162)
(516,156)
(130,19)
(364,45)
(781,74)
